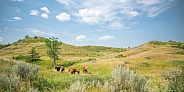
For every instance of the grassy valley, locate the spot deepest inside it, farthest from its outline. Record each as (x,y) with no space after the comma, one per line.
(151,60)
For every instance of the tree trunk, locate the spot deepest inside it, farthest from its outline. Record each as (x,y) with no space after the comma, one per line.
(54,59)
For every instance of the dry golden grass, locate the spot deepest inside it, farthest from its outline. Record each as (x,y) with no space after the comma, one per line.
(162,59)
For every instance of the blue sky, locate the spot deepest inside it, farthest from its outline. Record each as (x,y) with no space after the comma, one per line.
(115,23)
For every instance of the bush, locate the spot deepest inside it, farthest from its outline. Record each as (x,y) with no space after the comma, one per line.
(175,80)
(120,56)
(147,57)
(126,62)
(40,83)
(23,77)
(68,63)
(78,86)
(125,80)
(9,83)
(21,57)
(25,71)
(157,43)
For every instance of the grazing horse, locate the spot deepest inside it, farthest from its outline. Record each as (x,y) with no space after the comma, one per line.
(62,69)
(58,68)
(73,70)
(85,69)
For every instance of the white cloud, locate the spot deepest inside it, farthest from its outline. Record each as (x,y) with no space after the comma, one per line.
(1,39)
(38,32)
(14,19)
(134,13)
(66,2)
(17,18)
(99,30)
(90,16)
(18,10)
(63,17)
(18,0)
(154,11)
(106,37)
(8,20)
(81,38)
(104,12)
(44,15)
(34,12)
(45,9)
(117,25)
(149,2)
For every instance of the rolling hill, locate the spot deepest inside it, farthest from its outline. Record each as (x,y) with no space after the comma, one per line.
(151,59)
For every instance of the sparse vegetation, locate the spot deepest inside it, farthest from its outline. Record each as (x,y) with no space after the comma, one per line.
(157,43)
(120,56)
(151,59)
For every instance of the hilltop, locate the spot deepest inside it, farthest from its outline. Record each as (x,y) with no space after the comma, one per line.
(22,46)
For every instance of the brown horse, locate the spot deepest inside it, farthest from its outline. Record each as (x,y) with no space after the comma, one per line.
(85,69)
(58,68)
(62,69)
(73,70)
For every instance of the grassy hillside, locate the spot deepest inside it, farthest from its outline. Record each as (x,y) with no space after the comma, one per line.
(151,59)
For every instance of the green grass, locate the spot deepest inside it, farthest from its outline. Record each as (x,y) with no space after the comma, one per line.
(100,60)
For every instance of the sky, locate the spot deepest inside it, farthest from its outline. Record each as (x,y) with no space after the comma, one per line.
(112,23)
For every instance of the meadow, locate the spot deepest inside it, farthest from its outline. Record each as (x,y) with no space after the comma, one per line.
(147,62)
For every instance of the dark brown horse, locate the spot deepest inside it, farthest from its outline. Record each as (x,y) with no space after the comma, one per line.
(73,70)
(62,69)
(85,69)
(58,68)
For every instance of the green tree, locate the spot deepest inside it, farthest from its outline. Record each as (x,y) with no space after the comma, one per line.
(53,44)
(33,55)
(27,36)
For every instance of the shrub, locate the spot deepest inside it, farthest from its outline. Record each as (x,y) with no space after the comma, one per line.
(157,43)
(68,63)
(147,57)
(40,83)
(25,71)
(78,86)
(92,59)
(126,62)
(21,57)
(120,56)
(125,80)
(175,80)
(9,83)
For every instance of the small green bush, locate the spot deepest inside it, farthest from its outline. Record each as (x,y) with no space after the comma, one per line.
(126,62)
(147,57)
(120,56)
(40,83)
(20,57)
(68,63)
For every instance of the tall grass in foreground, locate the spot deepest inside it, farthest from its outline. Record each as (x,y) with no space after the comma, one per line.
(122,80)
(175,80)
(22,77)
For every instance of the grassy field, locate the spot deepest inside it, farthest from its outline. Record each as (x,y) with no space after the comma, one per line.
(151,60)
